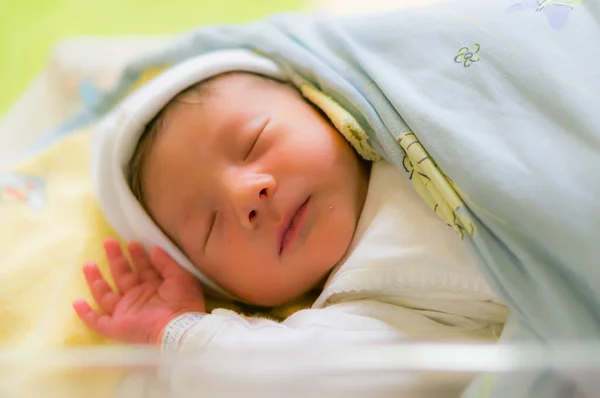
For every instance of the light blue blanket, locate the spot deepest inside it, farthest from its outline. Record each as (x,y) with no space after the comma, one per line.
(504,96)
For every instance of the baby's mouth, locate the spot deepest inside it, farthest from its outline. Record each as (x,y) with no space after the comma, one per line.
(290,230)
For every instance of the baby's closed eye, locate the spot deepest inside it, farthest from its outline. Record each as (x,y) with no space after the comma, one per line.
(211,225)
(253,150)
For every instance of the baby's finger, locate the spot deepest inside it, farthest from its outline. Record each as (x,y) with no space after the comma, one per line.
(141,261)
(165,265)
(120,269)
(101,291)
(95,321)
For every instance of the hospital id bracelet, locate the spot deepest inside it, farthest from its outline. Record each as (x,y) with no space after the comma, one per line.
(176,329)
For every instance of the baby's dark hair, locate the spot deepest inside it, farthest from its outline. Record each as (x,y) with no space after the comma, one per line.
(148,137)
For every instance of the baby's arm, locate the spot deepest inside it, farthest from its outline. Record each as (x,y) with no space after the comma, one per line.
(346,323)
(160,302)
(341,324)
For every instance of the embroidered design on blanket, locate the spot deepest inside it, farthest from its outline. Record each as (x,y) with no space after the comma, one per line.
(467,57)
(557,11)
(433,186)
(23,189)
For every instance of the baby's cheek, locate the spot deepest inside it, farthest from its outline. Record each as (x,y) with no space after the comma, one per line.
(244,259)
(332,238)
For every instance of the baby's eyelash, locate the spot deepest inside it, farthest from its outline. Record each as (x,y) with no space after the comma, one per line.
(253,145)
(213,220)
(257,138)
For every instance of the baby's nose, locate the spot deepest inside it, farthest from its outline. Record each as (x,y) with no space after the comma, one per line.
(250,198)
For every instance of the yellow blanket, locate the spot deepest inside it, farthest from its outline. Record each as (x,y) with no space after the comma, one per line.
(50,225)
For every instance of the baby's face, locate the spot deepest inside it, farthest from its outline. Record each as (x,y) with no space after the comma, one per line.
(256,187)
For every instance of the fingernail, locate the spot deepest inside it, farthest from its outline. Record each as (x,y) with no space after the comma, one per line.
(161,253)
(110,241)
(156,252)
(78,302)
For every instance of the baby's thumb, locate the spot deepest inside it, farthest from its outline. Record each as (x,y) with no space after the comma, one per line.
(164,264)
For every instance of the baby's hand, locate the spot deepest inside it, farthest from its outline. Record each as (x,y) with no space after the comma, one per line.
(148,296)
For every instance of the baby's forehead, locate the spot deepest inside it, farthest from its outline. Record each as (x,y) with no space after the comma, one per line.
(241,77)
(225,85)
(238,84)
(235,88)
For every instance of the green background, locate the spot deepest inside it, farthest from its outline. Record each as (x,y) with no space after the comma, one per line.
(29,28)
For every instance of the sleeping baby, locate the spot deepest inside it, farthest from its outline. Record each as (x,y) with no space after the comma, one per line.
(422,171)
(244,189)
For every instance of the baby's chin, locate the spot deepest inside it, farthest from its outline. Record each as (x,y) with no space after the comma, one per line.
(311,267)
(275,298)
(288,292)
(306,285)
